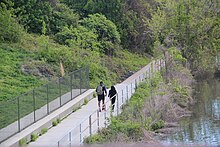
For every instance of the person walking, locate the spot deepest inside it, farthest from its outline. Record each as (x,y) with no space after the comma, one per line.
(101,92)
(112,95)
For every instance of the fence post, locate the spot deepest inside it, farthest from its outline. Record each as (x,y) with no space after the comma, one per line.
(71,81)
(98,119)
(19,123)
(152,68)
(70,137)
(105,117)
(135,84)
(80,133)
(117,105)
(131,88)
(90,125)
(60,91)
(80,84)
(87,71)
(160,64)
(122,98)
(34,106)
(146,75)
(127,94)
(47,99)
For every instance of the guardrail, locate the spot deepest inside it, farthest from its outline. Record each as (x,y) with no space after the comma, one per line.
(98,120)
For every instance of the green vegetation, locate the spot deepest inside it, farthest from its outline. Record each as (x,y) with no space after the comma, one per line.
(56,122)
(29,59)
(189,27)
(43,131)
(36,36)
(112,38)
(34,137)
(85,101)
(23,142)
(94,95)
(153,104)
(130,123)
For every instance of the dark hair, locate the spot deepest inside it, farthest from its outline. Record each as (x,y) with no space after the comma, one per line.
(112,88)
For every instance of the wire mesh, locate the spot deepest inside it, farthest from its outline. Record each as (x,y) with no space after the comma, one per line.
(18,113)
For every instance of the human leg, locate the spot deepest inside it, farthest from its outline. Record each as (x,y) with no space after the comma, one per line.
(103,102)
(99,102)
(113,103)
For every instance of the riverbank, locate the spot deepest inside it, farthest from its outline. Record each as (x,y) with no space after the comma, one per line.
(170,102)
(154,110)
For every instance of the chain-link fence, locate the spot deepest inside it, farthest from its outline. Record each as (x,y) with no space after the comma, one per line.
(19,113)
(97,120)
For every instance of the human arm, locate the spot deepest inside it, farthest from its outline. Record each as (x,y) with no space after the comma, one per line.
(105,91)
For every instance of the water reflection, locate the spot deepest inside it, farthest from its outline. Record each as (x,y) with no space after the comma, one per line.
(216,109)
(203,127)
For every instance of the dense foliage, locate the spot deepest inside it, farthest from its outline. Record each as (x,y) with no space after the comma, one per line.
(97,33)
(192,27)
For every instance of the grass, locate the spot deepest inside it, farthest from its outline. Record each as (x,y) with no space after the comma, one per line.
(86,100)
(34,137)
(40,52)
(13,82)
(128,126)
(23,142)
(43,131)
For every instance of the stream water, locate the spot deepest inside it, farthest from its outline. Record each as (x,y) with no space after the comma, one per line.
(203,127)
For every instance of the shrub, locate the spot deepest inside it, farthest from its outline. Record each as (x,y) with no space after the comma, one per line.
(157,125)
(43,131)
(58,120)
(55,123)
(10,30)
(85,101)
(34,137)
(23,141)
(93,139)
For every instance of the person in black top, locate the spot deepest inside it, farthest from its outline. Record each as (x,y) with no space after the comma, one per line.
(112,96)
(101,92)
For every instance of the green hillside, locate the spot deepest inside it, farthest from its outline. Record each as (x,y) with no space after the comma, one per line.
(24,67)
(111,37)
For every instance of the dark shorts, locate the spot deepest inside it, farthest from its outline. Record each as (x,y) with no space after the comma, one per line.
(101,97)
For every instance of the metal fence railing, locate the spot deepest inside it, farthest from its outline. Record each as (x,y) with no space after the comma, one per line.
(19,113)
(97,120)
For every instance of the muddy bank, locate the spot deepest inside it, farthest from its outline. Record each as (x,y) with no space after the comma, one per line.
(170,102)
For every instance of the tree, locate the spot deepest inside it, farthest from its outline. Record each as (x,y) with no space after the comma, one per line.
(62,16)
(190,26)
(45,17)
(106,30)
(78,37)
(10,30)
(33,14)
(77,6)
